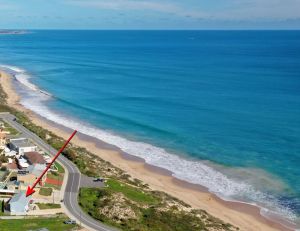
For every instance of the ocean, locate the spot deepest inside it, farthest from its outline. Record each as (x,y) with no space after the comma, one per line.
(217,108)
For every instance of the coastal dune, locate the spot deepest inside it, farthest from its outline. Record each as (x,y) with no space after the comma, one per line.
(244,216)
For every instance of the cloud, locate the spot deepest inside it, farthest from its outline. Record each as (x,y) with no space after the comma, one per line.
(7,5)
(250,10)
(118,5)
(261,10)
(126,4)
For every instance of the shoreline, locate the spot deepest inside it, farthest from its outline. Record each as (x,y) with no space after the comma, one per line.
(249,216)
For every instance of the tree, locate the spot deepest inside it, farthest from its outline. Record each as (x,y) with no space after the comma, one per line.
(2,207)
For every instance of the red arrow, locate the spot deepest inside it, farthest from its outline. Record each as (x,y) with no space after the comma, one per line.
(31,190)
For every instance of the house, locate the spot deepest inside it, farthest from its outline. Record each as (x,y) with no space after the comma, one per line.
(48,159)
(9,153)
(34,158)
(22,163)
(12,165)
(18,204)
(33,172)
(22,145)
(6,192)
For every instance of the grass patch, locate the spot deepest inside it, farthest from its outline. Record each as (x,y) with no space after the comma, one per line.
(53,224)
(55,176)
(48,206)
(130,192)
(128,216)
(88,198)
(45,191)
(10,129)
(59,168)
(57,187)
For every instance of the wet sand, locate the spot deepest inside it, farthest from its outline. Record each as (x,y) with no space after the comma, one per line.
(244,216)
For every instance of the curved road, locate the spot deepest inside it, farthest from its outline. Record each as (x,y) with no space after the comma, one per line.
(73,182)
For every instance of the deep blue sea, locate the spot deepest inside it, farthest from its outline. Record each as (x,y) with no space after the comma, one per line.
(217,108)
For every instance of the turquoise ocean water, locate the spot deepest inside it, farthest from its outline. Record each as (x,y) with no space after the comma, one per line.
(217,108)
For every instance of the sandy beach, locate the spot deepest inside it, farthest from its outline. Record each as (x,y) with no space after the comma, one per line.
(244,216)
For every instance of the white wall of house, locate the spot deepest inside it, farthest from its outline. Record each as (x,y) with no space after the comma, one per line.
(27,149)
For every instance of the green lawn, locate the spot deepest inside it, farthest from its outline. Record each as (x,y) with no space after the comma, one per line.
(53,224)
(45,191)
(57,187)
(48,206)
(131,192)
(59,168)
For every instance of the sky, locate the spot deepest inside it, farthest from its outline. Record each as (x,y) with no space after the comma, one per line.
(150,14)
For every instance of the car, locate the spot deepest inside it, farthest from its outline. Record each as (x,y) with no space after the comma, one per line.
(98,180)
(70,222)
(13,178)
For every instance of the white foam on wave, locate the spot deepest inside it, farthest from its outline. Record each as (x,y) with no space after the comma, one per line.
(196,172)
(12,68)
(22,77)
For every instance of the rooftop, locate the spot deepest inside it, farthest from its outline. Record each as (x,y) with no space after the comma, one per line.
(19,202)
(34,158)
(21,142)
(12,165)
(36,169)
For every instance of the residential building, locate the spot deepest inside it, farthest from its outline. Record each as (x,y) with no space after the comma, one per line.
(12,165)
(34,158)
(18,204)
(10,153)
(22,163)
(22,145)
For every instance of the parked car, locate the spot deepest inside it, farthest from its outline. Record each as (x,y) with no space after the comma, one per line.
(70,222)
(13,178)
(98,180)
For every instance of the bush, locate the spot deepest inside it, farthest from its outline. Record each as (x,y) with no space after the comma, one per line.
(70,154)
(3,159)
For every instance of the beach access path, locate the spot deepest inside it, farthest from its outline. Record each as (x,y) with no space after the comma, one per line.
(72,184)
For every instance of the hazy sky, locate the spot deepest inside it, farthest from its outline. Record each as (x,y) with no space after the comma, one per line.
(150,14)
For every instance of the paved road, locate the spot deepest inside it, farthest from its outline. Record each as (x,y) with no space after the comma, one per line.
(73,183)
